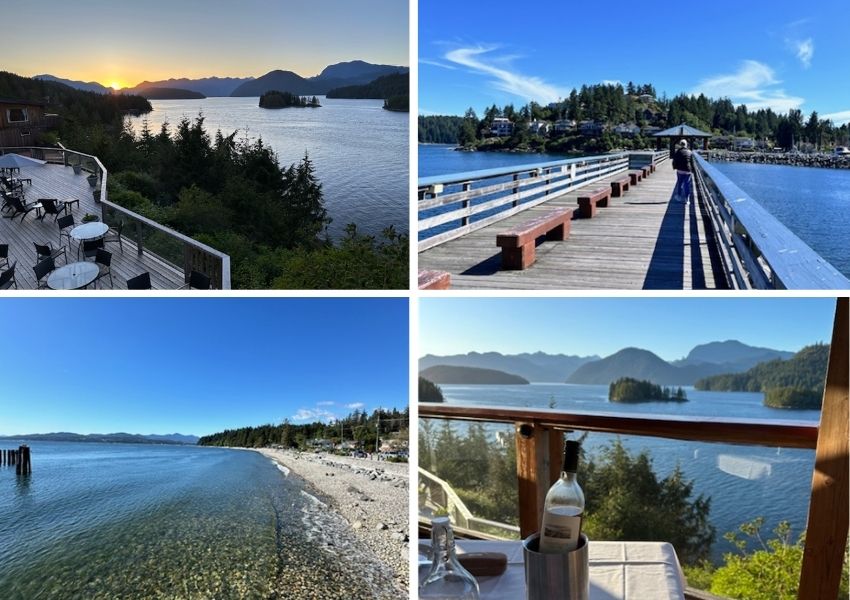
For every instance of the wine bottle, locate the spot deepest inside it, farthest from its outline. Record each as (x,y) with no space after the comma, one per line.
(447,580)
(564,507)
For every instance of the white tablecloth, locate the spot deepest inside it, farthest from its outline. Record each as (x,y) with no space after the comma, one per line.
(618,571)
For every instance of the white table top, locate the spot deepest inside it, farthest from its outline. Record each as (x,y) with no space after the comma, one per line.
(89,231)
(618,571)
(73,276)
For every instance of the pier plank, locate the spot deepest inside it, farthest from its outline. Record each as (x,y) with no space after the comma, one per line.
(642,240)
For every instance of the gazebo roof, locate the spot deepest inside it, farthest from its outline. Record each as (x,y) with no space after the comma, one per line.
(682,131)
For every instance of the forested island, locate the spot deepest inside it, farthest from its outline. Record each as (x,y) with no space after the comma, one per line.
(600,118)
(358,426)
(630,391)
(393,89)
(429,392)
(275,99)
(230,193)
(793,383)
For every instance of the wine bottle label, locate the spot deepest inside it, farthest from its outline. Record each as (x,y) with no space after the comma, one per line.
(560,533)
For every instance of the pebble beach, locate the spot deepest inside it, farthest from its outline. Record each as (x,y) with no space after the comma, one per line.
(359,514)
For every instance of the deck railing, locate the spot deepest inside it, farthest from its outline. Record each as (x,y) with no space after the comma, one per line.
(539,443)
(174,249)
(755,249)
(453,205)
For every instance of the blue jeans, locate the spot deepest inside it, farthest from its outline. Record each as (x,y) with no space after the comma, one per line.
(683,186)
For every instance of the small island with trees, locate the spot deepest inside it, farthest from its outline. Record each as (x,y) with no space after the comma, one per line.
(429,391)
(628,390)
(275,99)
(393,89)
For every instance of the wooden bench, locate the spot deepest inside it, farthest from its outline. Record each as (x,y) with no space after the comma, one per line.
(635,176)
(587,204)
(518,244)
(652,167)
(646,171)
(434,280)
(620,186)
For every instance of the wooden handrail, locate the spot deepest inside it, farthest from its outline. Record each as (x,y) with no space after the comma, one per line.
(787,434)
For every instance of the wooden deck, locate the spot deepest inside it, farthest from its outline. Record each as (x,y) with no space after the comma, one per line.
(642,240)
(56,181)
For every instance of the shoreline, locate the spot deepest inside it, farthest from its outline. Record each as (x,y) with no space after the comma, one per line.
(815,161)
(362,512)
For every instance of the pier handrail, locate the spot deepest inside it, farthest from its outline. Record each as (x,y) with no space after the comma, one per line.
(458,203)
(195,255)
(756,249)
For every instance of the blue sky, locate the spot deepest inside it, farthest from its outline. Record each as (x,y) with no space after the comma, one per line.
(780,54)
(670,327)
(197,366)
(127,42)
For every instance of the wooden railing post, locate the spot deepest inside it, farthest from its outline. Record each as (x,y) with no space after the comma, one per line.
(538,451)
(465,186)
(826,530)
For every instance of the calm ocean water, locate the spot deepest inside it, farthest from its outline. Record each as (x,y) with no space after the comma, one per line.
(744,482)
(360,150)
(813,203)
(149,521)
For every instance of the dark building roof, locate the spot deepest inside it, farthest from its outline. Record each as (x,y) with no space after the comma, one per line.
(682,131)
(21,101)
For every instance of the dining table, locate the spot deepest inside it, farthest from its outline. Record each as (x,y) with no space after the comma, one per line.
(618,570)
(89,231)
(73,276)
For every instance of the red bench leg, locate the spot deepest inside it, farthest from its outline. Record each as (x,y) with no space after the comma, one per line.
(586,208)
(616,189)
(518,258)
(603,202)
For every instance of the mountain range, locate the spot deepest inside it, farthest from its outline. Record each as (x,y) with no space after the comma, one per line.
(116,438)
(704,360)
(470,375)
(355,72)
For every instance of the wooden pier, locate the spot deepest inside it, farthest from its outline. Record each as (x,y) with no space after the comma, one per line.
(20,459)
(640,240)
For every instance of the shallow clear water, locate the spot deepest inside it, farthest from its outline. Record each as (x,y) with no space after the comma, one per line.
(360,150)
(143,521)
(813,203)
(744,482)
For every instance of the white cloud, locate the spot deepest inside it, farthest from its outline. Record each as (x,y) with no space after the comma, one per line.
(838,118)
(480,59)
(805,51)
(355,405)
(754,84)
(325,403)
(313,414)
(435,63)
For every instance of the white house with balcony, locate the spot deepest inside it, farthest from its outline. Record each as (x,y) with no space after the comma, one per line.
(501,127)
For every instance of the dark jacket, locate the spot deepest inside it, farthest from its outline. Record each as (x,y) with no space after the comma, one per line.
(682,160)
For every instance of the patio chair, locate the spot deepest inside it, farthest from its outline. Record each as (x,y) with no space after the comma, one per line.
(140,282)
(66,224)
(7,203)
(51,206)
(117,237)
(197,281)
(7,278)
(19,208)
(104,265)
(43,251)
(11,185)
(4,254)
(90,248)
(42,270)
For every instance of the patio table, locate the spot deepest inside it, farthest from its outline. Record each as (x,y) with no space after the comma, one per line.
(73,276)
(89,231)
(618,571)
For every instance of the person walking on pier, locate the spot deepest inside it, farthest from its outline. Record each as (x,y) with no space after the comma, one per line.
(682,164)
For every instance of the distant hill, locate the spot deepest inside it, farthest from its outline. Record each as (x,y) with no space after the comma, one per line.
(731,351)
(397,84)
(86,86)
(805,370)
(286,81)
(163,93)
(116,438)
(469,375)
(538,367)
(351,73)
(208,86)
(640,364)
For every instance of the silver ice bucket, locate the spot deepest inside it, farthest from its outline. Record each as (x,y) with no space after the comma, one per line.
(561,576)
